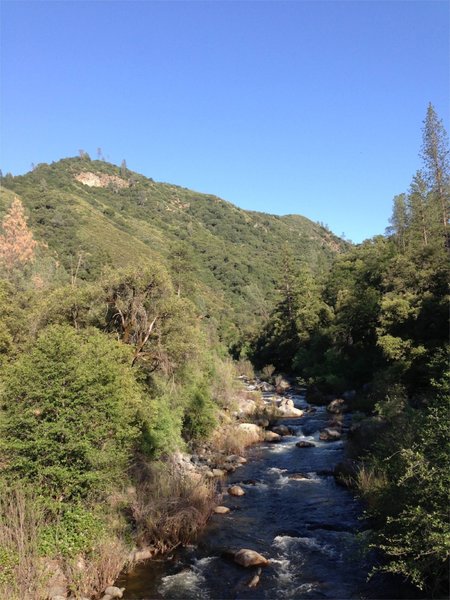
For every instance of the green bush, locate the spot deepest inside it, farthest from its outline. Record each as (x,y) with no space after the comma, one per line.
(69,413)
(199,418)
(161,433)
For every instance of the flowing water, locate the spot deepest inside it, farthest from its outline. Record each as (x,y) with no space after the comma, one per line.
(293,513)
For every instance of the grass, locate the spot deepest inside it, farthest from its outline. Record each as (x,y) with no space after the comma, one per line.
(21,523)
(170,506)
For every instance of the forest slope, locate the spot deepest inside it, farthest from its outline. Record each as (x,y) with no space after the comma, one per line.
(226,259)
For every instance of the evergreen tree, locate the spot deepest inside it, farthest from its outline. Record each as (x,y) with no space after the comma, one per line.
(435,154)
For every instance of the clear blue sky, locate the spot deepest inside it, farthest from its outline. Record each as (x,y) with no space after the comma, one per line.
(307,107)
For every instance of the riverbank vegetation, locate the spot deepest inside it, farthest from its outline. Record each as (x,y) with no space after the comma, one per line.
(376,327)
(121,301)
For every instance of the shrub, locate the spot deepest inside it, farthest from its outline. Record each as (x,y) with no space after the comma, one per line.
(69,418)
(200,418)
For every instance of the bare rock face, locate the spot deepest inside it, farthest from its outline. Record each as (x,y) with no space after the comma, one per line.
(102,180)
(236,490)
(249,558)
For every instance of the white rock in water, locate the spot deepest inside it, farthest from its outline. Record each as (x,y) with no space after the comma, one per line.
(249,558)
(221,510)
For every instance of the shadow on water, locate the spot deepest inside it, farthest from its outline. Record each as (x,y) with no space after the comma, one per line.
(293,513)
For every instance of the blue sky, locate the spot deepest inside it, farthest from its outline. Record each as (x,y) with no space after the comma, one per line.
(306,107)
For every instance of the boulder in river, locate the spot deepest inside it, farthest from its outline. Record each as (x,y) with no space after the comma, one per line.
(305,444)
(286,408)
(221,510)
(298,476)
(252,432)
(236,490)
(271,436)
(337,406)
(282,430)
(249,558)
(330,435)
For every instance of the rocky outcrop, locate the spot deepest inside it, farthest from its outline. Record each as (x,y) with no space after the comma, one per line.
(101,180)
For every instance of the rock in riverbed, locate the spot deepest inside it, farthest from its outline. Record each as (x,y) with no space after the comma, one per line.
(221,510)
(236,490)
(271,436)
(282,430)
(305,444)
(330,435)
(249,558)
(337,406)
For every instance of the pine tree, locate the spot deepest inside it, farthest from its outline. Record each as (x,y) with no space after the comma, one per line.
(435,154)
(421,216)
(399,221)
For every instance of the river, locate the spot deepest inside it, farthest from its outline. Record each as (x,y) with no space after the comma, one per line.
(293,513)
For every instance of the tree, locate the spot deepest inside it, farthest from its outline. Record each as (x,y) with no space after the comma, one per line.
(146,314)
(123,168)
(17,246)
(435,154)
(399,221)
(70,413)
(419,208)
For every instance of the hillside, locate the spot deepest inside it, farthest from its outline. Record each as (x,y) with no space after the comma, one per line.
(227,259)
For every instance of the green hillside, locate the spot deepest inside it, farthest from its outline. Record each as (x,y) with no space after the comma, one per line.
(226,259)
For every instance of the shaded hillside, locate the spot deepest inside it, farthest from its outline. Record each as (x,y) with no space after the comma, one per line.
(225,258)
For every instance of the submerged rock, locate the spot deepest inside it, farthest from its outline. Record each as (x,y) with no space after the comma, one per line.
(298,476)
(255,579)
(305,444)
(249,558)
